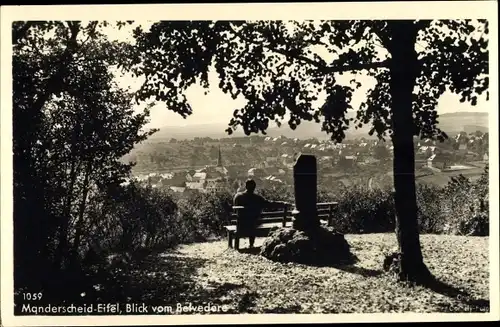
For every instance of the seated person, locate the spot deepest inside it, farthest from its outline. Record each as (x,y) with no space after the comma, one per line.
(253,203)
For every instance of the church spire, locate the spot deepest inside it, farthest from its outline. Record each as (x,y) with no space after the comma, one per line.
(219,159)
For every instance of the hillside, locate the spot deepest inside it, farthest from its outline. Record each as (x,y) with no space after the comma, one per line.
(304,131)
(451,123)
(468,122)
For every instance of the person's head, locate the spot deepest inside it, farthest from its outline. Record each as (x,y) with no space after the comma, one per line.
(250,185)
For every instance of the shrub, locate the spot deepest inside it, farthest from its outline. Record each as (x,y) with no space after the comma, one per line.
(431,217)
(478,225)
(459,208)
(133,217)
(465,205)
(361,210)
(278,193)
(206,214)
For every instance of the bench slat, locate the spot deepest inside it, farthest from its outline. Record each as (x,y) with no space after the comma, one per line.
(232,228)
(279,220)
(280,215)
(323,204)
(261,226)
(272,214)
(265,220)
(267,214)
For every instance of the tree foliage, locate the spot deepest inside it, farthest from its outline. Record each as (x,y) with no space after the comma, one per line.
(278,68)
(281,67)
(72,124)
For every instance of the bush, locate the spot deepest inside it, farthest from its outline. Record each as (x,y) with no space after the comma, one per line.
(465,205)
(278,193)
(206,214)
(478,225)
(132,218)
(459,208)
(431,217)
(364,211)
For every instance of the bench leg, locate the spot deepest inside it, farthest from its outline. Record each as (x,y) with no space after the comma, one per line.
(237,242)
(230,239)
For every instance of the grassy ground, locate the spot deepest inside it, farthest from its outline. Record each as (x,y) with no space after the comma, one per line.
(246,282)
(210,273)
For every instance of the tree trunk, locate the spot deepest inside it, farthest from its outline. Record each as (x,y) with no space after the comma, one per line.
(81,211)
(404,69)
(62,253)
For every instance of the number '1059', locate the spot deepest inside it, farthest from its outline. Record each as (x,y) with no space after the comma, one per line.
(32,296)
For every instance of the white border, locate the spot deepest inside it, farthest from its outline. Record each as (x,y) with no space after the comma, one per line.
(289,11)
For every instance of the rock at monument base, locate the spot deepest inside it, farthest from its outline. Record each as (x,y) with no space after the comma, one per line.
(321,246)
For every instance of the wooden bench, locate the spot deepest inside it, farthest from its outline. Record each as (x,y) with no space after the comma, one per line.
(271,219)
(268,219)
(326,211)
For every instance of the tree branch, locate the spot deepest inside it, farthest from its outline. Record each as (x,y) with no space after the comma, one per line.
(93,27)
(74,27)
(340,68)
(381,31)
(286,53)
(55,81)
(422,24)
(19,33)
(335,67)
(298,57)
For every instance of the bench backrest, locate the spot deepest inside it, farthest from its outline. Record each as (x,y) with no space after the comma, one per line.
(267,216)
(283,215)
(326,210)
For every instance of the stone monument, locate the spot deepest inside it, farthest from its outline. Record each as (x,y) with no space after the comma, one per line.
(305,186)
(306,241)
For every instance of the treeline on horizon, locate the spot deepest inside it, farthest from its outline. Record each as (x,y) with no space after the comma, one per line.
(452,123)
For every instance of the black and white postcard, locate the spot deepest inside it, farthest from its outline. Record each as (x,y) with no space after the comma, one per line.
(289,162)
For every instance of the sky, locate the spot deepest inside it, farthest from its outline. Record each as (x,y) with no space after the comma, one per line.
(217,107)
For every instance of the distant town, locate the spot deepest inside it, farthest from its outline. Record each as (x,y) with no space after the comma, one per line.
(211,165)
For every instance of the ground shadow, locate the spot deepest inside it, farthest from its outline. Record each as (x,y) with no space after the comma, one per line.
(472,303)
(365,272)
(347,265)
(159,280)
(247,302)
(254,251)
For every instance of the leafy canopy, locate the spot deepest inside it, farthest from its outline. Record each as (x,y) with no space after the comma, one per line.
(283,67)
(71,126)
(64,94)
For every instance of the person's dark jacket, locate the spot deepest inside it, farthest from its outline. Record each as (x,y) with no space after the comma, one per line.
(253,205)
